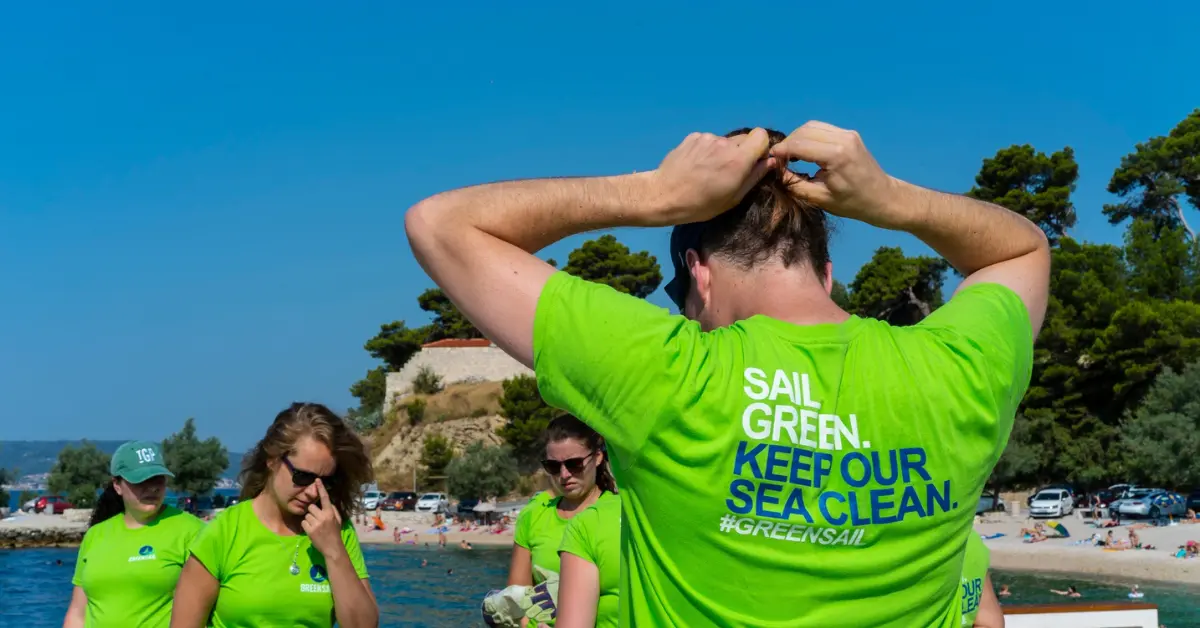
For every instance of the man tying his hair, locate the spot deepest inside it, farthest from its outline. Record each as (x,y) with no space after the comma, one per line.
(781,462)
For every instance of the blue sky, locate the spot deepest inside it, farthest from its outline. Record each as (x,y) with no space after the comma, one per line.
(201,206)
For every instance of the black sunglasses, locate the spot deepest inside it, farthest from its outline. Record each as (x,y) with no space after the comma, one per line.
(300,477)
(573,465)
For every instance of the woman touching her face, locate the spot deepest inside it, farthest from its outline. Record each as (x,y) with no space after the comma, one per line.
(287,554)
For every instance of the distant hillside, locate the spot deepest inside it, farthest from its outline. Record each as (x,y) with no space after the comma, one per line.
(32,457)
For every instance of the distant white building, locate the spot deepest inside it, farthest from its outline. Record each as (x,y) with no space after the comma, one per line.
(455,361)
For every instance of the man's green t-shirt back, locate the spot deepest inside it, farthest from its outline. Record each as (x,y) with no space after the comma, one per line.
(974,578)
(129,574)
(595,536)
(781,475)
(252,565)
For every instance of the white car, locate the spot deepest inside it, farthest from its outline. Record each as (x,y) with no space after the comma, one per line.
(433,502)
(1052,502)
(371,499)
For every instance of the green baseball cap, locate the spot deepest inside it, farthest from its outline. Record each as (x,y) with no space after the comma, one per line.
(138,461)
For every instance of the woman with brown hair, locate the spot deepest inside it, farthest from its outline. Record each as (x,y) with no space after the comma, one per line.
(577,463)
(287,554)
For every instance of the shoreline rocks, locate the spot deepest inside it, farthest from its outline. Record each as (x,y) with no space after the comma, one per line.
(23,537)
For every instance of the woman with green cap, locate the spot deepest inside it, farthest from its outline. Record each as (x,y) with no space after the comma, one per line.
(135,547)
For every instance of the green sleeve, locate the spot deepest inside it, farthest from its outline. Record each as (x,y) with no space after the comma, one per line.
(611,359)
(986,328)
(577,539)
(81,557)
(521,529)
(210,546)
(353,549)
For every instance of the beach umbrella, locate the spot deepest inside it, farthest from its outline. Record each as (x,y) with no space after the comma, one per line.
(1059,528)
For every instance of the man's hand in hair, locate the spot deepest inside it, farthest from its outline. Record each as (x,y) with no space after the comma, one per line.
(849,184)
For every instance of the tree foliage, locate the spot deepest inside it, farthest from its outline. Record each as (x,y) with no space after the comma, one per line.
(448,322)
(6,477)
(370,390)
(197,464)
(1161,439)
(898,289)
(840,295)
(1158,176)
(79,473)
(1033,184)
(482,472)
(605,260)
(436,454)
(527,416)
(395,344)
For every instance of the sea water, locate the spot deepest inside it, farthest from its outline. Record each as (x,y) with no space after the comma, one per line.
(448,589)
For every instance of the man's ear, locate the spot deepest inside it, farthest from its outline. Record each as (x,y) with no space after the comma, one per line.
(827,279)
(701,275)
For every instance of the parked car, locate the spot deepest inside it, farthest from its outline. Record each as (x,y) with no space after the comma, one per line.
(1193,501)
(54,503)
(466,507)
(432,502)
(1051,502)
(1066,487)
(1153,503)
(989,503)
(400,500)
(371,499)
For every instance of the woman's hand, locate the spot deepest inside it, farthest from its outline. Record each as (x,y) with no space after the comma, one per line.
(323,525)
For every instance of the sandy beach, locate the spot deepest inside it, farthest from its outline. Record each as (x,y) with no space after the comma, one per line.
(423,533)
(1061,555)
(1068,555)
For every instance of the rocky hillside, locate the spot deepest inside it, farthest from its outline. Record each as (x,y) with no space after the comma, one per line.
(462,413)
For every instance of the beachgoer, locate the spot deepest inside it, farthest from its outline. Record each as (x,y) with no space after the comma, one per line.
(777,446)
(590,575)
(1070,592)
(1004,591)
(578,467)
(135,547)
(287,554)
(980,606)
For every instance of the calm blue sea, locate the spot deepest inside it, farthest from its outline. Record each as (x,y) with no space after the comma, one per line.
(36,589)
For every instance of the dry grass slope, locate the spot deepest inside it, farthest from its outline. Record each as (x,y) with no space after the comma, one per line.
(462,413)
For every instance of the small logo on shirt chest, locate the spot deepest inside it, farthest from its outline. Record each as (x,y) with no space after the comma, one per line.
(145,552)
(319,577)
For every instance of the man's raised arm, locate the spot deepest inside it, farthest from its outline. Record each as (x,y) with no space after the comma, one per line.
(985,242)
(477,243)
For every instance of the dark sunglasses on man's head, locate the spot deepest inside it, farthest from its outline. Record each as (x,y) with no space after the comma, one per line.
(574,465)
(300,477)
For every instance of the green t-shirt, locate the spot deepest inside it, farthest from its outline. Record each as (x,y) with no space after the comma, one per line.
(781,475)
(540,530)
(129,574)
(595,536)
(974,578)
(252,564)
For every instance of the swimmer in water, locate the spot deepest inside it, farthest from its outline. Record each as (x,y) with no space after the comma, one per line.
(1070,592)
(1004,592)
